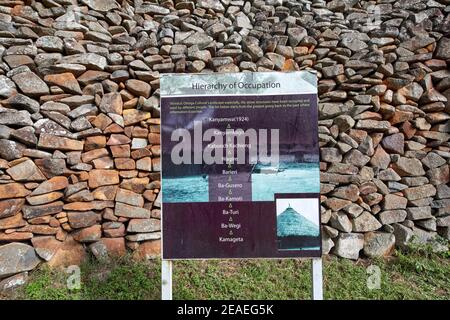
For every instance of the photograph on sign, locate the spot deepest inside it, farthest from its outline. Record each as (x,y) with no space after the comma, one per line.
(298,226)
(240,166)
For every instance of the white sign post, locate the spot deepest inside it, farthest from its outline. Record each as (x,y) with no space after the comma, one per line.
(166,280)
(317,279)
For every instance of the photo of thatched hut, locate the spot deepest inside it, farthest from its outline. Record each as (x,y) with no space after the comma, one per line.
(298,224)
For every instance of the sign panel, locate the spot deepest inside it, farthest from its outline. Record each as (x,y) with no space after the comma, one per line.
(240,165)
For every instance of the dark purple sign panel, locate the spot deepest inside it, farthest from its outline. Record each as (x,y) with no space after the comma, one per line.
(240,166)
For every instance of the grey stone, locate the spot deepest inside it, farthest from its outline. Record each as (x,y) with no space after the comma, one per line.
(11,283)
(5,132)
(443,191)
(439,175)
(80,124)
(380,158)
(373,125)
(11,150)
(144,225)
(427,224)
(124,210)
(42,210)
(429,238)
(15,118)
(392,201)
(344,122)
(340,221)
(433,160)
(394,143)
(365,222)
(200,39)
(420,192)
(443,221)
(332,232)
(20,101)
(101,5)
(211,4)
(30,84)
(83,110)
(331,155)
(403,235)
(144,236)
(408,167)
(253,49)
(353,210)
(396,186)
(296,35)
(111,103)
(348,245)
(350,192)
(443,48)
(26,135)
(327,244)
(392,216)
(388,175)
(50,44)
(89,60)
(15,258)
(277,60)
(7,87)
(353,44)
(242,21)
(138,143)
(378,244)
(356,158)
(49,126)
(417,42)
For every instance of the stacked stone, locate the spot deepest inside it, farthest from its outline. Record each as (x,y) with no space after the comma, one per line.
(79,113)
(384,127)
(79,131)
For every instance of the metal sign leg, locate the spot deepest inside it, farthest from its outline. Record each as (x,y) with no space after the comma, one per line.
(317,279)
(166,280)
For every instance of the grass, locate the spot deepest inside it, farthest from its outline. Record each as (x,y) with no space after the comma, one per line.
(420,274)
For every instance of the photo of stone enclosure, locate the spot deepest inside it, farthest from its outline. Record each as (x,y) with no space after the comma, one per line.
(286,177)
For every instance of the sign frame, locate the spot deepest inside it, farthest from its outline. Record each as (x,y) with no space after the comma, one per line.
(167,264)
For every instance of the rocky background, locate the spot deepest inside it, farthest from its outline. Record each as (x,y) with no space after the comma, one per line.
(79,116)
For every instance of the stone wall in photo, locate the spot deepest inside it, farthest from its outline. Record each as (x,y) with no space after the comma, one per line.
(79,116)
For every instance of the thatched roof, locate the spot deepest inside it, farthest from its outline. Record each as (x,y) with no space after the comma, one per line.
(292,223)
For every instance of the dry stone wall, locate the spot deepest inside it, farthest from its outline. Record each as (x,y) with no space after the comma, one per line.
(79,116)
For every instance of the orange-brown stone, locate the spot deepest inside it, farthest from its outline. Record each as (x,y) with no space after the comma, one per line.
(99,177)
(94,142)
(121,151)
(10,207)
(148,250)
(15,221)
(105,192)
(124,163)
(69,253)
(53,184)
(65,81)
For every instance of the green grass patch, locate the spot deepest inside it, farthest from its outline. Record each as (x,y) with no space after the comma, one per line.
(419,274)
